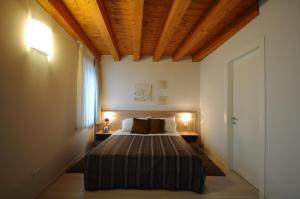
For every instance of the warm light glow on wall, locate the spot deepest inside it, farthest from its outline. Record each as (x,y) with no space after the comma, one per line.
(39,37)
(185,118)
(109,115)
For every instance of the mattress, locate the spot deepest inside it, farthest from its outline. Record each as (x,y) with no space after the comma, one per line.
(151,161)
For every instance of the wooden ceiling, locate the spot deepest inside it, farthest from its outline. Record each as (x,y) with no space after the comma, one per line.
(159,28)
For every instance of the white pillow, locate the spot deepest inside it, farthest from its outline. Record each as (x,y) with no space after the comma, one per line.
(128,122)
(170,124)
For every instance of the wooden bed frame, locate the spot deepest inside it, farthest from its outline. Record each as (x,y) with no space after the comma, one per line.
(119,115)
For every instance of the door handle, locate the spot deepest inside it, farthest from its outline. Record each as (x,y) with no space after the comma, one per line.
(234,119)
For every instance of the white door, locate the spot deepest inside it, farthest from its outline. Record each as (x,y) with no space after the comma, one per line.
(249,116)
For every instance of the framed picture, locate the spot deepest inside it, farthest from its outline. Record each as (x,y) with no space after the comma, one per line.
(142,92)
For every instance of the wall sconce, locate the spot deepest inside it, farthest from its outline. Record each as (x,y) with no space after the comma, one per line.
(186,118)
(39,37)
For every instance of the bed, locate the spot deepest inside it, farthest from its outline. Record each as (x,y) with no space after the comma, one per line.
(150,161)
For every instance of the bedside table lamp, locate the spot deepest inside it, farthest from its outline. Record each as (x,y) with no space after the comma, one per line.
(186,118)
(108,116)
(106,127)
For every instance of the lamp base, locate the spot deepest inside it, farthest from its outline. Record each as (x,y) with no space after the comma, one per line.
(106,129)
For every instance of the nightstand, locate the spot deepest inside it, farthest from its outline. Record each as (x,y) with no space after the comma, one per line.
(100,136)
(192,138)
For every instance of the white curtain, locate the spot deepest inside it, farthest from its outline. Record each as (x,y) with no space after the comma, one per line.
(87,89)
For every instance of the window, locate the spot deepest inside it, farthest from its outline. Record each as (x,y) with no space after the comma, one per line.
(87,92)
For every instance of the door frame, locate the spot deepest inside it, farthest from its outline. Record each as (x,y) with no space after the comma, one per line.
(247,48)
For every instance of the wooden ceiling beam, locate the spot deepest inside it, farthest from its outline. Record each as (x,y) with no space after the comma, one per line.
(214,15)
(176,13)
(101,22)
(58,10)
(137,14)
(227,34)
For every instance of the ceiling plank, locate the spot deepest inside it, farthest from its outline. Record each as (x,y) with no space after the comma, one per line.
(176,13)
(214,15)
(227,34)
(63,16)
(137,14)
(101,22)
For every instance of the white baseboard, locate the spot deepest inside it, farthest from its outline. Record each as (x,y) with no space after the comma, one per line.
(76,159)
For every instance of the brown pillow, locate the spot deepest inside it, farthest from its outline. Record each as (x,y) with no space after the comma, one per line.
(157,126)
(140,126)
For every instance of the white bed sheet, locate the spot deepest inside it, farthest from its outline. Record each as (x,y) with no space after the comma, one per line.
(120,132)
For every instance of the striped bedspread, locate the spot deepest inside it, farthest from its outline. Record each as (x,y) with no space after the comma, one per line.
(145,162)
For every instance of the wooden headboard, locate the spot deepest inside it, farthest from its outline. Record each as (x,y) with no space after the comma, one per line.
(119,115)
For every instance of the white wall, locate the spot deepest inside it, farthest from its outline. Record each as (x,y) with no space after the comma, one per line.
(279,23)
(37,104)
(119,78)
